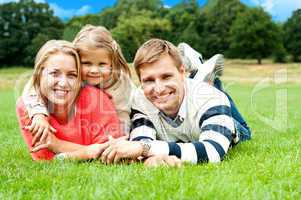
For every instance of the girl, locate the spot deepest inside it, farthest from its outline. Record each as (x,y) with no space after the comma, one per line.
(81,123)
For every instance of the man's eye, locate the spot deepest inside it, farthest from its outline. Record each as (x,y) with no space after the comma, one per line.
(147,81)
(166,77)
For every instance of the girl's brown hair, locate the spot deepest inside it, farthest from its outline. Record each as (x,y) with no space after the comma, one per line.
(93,37)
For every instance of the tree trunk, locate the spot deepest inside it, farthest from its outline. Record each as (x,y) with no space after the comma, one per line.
(259,60)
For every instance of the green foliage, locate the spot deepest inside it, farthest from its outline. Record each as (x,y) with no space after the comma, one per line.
(73,26)
(184,19)
(292,35)
(254,35)
(20,23)
(218,18)
(132,32)
(26,25)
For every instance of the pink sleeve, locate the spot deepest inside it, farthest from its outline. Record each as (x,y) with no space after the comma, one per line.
(24,120)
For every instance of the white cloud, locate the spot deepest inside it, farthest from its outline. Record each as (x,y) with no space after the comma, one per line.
(167,6)
(279,9)
(68,13)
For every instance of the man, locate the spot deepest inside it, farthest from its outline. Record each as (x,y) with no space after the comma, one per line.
(177,119)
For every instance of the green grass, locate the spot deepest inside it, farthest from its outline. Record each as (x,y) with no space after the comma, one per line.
(267,167)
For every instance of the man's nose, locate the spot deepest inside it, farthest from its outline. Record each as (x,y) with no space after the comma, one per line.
(159,86)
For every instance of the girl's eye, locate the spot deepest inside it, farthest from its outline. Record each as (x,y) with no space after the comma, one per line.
(86,63)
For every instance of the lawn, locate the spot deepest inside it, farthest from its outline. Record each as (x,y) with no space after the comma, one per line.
(267,167)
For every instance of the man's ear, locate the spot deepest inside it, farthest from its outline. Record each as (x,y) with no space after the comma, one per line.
(182,69)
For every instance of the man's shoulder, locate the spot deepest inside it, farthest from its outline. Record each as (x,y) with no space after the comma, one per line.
(142,104)
(201,95)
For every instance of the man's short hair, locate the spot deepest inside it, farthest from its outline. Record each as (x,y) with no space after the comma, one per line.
(152,50)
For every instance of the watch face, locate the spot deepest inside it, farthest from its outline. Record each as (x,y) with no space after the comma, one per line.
(146,147)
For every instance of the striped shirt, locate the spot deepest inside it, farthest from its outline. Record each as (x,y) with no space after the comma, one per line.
(203,130)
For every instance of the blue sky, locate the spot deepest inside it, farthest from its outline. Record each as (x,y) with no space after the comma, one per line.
(65,9)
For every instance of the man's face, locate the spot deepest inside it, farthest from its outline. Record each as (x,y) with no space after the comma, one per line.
(163,84)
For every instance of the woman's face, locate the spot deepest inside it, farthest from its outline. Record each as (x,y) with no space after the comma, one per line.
(58,81)
(96,66)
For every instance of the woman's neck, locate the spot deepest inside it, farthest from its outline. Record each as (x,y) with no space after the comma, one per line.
(61,113)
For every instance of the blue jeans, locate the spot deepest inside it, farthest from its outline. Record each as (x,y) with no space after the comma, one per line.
(241,125)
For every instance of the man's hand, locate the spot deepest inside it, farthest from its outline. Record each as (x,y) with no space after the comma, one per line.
(119,149)
(164,160)
(40,128)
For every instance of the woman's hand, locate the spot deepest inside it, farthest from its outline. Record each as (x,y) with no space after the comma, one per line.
(40,128)
(164,160)
(51,142)
(92,151)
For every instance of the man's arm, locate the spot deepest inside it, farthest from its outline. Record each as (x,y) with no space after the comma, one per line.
(216,128)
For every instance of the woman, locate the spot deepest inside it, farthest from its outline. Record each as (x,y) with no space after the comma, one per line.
(83,119)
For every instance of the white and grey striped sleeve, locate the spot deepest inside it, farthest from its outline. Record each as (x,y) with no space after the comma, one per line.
(216,127)
(141,127)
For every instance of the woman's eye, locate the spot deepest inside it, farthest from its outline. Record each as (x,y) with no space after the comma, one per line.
(72,75)
(54,73)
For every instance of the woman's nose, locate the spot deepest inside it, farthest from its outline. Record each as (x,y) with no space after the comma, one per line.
(62,81)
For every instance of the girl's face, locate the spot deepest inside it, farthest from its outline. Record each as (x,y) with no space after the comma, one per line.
(59,79)
(96,66)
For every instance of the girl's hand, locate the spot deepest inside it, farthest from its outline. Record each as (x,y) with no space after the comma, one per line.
(40,128)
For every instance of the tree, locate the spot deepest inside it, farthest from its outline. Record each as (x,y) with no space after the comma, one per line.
(20,23)
(183,18)
(292,35)
(74,25)
(109,16)
(134,31)
(218,17)
(254,35)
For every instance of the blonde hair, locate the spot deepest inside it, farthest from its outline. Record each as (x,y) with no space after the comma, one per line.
(49,48)
(93,37)
(152,50)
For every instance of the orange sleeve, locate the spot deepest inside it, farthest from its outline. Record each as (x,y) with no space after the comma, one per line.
(24,120)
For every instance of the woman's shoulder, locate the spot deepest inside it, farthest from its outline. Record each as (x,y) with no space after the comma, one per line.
(20,106)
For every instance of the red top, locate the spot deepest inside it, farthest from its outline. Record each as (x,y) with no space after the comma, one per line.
(95,117)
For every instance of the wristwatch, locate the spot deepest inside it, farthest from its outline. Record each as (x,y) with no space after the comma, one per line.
(146,145)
